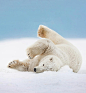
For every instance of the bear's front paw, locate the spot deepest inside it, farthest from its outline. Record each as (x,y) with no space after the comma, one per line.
(30,51)
(41,32)
(14,64)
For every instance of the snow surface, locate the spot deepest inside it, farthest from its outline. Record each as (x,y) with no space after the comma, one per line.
(63,81)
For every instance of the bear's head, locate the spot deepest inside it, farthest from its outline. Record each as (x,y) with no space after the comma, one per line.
(48,63)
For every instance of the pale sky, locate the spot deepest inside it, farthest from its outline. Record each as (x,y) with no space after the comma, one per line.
(21,18)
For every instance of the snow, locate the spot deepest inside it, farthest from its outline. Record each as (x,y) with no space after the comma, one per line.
(63,81)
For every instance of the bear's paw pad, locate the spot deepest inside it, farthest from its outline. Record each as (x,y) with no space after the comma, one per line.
(13,64)
(41,31)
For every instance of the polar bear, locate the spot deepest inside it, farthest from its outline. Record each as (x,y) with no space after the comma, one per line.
(49,53)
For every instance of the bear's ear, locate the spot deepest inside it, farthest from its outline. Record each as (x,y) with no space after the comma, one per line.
(51,59)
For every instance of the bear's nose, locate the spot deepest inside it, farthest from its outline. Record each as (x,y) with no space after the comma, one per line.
(34,69)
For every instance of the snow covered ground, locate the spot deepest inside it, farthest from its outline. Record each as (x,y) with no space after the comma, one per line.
(63,81)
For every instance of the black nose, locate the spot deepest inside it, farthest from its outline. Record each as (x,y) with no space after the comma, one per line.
(34,69)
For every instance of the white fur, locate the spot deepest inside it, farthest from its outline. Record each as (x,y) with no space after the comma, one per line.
(49,63)
(54,47)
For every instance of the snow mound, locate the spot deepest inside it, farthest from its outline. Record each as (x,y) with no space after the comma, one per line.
(62,81)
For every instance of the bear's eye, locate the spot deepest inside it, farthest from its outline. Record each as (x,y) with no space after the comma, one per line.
(43,64)
(29,54)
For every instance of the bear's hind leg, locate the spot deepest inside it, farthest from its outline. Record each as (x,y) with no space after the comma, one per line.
(46,32)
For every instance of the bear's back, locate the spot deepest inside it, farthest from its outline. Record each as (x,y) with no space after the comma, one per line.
(74,55)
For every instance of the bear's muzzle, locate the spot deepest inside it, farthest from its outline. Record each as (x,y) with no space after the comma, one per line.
(38,69)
